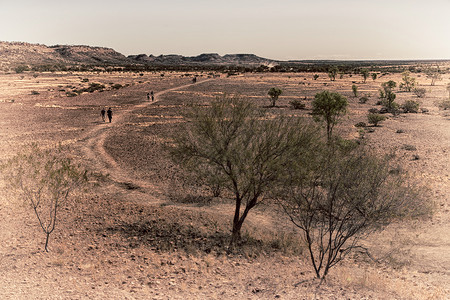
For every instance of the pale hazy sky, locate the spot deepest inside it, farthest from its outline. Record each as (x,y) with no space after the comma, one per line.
(277,29)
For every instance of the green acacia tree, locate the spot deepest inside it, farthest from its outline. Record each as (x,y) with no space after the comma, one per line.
(274,93)
(233,143)
(408,82)
(332,72)
(365,73)
(355,90)
(328,107)
(346,194)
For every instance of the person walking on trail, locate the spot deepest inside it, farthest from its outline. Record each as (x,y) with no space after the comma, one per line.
(148,96)
(103,112)
(109,113)
(153,98)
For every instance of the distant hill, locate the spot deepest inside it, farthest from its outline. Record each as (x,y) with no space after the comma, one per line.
(13,54)
(19,54)
(202,59)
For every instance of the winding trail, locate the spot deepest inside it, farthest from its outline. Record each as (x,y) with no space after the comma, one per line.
(94,140)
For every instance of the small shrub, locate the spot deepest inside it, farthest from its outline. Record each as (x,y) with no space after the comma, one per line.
(34,93)
(360,124)
(355,90)
(444,104)
(85,80)
(409,147)
(374,111)
(411,106)
(363,100)
(116,86)
(71,94)
(316,76)
(297,104)
(375,119)
(420,92)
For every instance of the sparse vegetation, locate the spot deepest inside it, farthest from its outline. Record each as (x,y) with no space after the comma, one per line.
(408,83)
(375,119)
(420,92)
(297,104)
(410,106)
(43,179)
(332,72)
(365,73)
(349,194)
(329,107)
(355,90)
(230,142)
(274,93)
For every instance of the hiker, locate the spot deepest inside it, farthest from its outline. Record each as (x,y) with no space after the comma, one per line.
(109,112)
(153,98)
(148,96)
(194,80)
(103,114)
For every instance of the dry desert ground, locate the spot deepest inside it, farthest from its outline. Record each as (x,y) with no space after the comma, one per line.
(136,235)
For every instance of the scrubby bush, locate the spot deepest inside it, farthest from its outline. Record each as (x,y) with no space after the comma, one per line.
(297,104)
(410,106)
(34,93)
(355,90)
(420,92)
(347,194)
(116,86)
(274,93)
(329,107)
(408,82)
(375,119)
(444,104)
(363,100)
(44,180)
(315,76)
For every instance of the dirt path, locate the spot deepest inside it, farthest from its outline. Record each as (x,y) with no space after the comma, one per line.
(93,145)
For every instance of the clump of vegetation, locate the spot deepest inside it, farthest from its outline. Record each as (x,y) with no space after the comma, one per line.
(361,124)
(21,69)
(329,107)
(375,119)
(365,73)
(410,106)
(346,194)
(408,82)
(388,96)
(374,76)
(116,86)
(230,142)
(35,93)
(71,94)
(297,104)
(85,80)
(355,90)
(363,99)
(332,72)
(44,179)
(274,93)
(444,104)
(420,92)
(315,76)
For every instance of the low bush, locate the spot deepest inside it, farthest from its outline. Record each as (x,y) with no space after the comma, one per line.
(375,119)
(363,100)
(444,104)
(411,106)
(420,92)
(297,104)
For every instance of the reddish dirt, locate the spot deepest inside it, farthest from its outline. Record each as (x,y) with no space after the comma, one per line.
(129,239)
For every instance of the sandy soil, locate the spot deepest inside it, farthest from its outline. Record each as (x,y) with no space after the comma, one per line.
(134,236)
